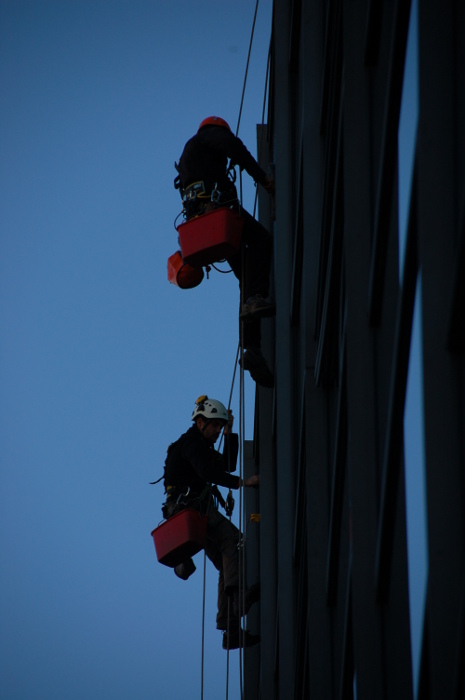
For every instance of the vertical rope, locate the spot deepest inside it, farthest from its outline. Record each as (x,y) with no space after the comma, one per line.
(241,468)
(203,622)
(247,67)
(241,547)
(240,353)
(265,95)
(227,656)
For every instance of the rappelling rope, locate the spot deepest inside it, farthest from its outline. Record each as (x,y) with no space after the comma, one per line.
(263,121)
(241,543)
(241,431)
(229,601)
(241,519)
(203,621)
(247,67)
(240,353)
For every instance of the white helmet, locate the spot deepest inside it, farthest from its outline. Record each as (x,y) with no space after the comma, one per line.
(209,409)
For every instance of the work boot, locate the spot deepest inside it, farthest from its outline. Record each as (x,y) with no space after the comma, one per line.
(185,569)
(239,640)
(252,595)
(254,362)
(256,307)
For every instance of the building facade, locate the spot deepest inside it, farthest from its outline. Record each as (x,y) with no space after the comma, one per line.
(361,444)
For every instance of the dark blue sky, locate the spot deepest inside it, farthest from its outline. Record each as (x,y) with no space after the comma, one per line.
(101,359)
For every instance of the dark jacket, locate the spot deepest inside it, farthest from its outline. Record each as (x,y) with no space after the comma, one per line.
(193,461)
(205,157)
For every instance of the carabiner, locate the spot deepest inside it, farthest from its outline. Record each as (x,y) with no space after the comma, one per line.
(181,495)
(216,194)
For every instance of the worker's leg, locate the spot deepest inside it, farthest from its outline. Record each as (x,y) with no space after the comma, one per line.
(251,265)
(222,550)
(258,253)
(223,539)
(250,334)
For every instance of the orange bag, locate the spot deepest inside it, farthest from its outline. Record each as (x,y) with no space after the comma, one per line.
(181,274)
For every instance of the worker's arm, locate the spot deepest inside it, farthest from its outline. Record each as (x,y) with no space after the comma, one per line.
(231,445)
(240,156)
(224,142)
(230,451)
(208,464)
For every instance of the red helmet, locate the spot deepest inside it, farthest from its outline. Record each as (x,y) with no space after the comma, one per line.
(214,121)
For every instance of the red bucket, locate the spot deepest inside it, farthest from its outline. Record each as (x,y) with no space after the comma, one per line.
(211,237)
(182,275)
(180,537)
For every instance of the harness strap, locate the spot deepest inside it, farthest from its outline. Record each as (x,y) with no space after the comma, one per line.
(175,492)
(217,494)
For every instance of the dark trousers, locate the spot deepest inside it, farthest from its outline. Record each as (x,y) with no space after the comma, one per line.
(222,550)
(251,266)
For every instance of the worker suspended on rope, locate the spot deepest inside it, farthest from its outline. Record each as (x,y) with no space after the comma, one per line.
(205,167)
(193,468)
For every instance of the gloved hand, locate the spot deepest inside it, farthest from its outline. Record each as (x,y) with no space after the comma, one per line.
(253,481)
(229,424)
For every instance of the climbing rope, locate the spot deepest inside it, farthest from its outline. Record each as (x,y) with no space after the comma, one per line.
(241,430)
(203,622)
(241,519)
(265,97)
(247,67)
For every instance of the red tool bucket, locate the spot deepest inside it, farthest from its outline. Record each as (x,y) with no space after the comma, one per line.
(180,537)
(182,275)
(211,237)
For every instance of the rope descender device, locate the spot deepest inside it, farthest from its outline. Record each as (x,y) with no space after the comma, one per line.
(216,194)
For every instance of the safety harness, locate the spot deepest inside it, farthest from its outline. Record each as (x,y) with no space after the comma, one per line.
(200,197)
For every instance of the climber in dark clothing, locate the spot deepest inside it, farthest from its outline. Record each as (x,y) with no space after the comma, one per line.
(204,182)
(193,468)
